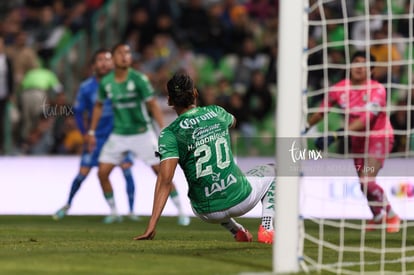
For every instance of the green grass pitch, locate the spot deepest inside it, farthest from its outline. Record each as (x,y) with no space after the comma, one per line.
(83,245)
(362,245)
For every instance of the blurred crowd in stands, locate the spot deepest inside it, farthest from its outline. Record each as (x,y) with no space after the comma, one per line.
(228,46)
(32,99)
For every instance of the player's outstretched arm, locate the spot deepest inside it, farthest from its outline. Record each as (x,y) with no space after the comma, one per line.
(154,108)
(161,193)
(96,115)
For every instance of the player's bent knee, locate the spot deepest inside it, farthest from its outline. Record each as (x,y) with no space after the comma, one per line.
(103,174)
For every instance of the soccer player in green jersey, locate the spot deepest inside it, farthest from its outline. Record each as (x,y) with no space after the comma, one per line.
(85,101)
(132,98)
(199,141)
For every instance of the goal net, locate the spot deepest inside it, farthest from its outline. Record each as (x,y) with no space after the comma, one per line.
(335,233)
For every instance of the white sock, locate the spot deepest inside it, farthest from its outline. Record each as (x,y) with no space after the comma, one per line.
(111,203)
(232,226)
(391,213)
(267,223)
(268,207)
(379,217)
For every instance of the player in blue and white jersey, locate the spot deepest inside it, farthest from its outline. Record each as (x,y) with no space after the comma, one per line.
(85,101)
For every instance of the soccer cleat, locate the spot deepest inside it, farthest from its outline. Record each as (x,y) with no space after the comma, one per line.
(264,235)
(393,224)
(112,219)
(133,217)
(243,235)
(61,213)
(183,220)
(373,225)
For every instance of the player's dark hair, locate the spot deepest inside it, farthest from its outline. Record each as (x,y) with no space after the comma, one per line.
(116,46)
(364,55)
(96,53)
(181,89)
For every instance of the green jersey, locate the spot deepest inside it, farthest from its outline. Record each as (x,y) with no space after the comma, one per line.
(200,139)
(128,101)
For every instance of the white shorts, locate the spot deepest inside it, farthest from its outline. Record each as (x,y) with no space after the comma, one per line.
(143,146)
(260,178)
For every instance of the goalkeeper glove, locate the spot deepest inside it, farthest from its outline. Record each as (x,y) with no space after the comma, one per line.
(320,141)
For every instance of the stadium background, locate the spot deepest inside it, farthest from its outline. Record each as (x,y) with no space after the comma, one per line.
(229,47)
(207,38)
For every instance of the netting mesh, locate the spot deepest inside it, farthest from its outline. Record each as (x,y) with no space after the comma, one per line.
(337,198)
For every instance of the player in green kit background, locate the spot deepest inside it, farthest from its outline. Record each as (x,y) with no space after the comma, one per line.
(133,99)
(199,141)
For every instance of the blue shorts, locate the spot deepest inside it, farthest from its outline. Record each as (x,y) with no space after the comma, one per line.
(90,159)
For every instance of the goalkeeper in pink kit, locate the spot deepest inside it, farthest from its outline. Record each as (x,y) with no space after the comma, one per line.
(371,134)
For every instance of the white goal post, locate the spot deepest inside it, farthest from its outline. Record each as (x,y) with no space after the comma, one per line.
(321,219)
(288,126)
